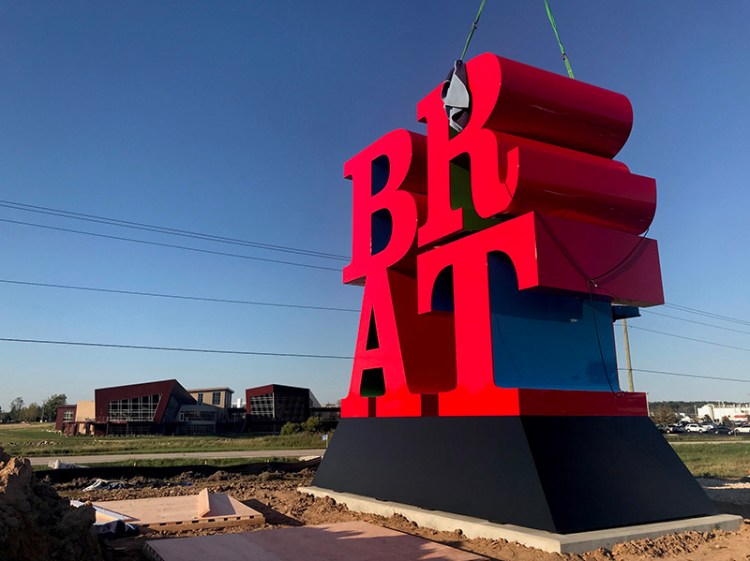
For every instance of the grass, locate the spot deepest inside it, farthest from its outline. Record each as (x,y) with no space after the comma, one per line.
(728,460)
(179,462)
(42,440)
(704,455)
(183,462)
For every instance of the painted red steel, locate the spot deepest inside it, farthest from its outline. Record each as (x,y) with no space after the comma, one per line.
(515,98)
(511,174)
(402,197)
(420,344)
(539,149)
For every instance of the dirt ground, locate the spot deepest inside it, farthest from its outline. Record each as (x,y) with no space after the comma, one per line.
(275,495)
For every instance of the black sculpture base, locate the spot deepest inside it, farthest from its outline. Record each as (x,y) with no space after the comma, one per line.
(559,474)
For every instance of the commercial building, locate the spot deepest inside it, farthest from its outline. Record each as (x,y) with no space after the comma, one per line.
(65,414)
(166,407)
(270,407)
(218,397)
(148,408)
(735,412)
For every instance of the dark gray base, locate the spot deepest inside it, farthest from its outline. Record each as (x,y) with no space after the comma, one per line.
(558,474)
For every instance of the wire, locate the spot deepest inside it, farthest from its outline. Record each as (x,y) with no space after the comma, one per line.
(636,247)
(177,296)
(165,230)
(617,393)
(707,314)
(692,339)
(175,349)
(173,246)
(683,375)
(695,322)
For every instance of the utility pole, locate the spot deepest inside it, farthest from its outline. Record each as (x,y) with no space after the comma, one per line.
(627,354)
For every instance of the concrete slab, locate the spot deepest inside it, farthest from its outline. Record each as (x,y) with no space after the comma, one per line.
(539,539)
(204,510)
(345,541)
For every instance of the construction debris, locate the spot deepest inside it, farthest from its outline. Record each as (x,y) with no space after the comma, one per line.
(57,464)
(189,512)
(36,524)
(105,484)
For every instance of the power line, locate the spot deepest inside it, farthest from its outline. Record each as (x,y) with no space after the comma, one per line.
(695,322)
(177,296)
(683,375)
(166,230)
(706,314)
(692,339)
(173,349)
(173,246)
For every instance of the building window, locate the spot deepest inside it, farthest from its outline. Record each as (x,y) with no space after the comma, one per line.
(216,398)
(200,397)
(262,406)
(141,408)
(67,415)
(291,408)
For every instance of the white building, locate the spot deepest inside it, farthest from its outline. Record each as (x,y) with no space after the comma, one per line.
(736,412)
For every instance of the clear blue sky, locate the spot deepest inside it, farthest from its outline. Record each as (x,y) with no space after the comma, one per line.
(235,118)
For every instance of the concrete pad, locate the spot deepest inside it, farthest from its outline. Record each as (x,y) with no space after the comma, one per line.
(346,541)
(546,541)
(188,512)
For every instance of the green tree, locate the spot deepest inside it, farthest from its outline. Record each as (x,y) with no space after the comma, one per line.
(16,406)
(663,415)
(31,413)
(50,405)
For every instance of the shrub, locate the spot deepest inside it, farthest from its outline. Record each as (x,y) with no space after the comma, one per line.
(314,424)
(292,428)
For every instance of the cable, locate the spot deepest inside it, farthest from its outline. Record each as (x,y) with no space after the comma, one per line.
(559,42)
(695,322)
(175,349)
(641,240)
(177,296)
(707,314)
(473,29)
(689,375)
(692,339)
(617,393)
(165,230)
(160,244)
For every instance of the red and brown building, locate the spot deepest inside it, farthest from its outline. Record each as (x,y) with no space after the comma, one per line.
(148,408)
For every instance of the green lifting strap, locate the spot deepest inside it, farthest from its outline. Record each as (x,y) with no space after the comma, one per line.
(559,42)
(473,29)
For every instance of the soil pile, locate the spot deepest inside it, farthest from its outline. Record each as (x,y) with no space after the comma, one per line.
(36,524)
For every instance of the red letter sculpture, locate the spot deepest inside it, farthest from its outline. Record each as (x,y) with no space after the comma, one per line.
(494,262)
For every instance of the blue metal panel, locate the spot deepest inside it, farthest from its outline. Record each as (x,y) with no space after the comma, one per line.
(550,341)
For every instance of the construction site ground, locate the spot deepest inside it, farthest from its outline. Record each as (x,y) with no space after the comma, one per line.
(275,495)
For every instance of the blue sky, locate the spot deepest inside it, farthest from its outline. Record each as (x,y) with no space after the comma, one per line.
(235,119)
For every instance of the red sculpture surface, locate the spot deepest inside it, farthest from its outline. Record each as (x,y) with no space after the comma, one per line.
(539,150)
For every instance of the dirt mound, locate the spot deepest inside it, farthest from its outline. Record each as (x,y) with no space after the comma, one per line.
(36,524)
(667,546)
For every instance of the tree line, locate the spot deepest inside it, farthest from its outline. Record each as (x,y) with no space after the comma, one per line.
(33,412)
